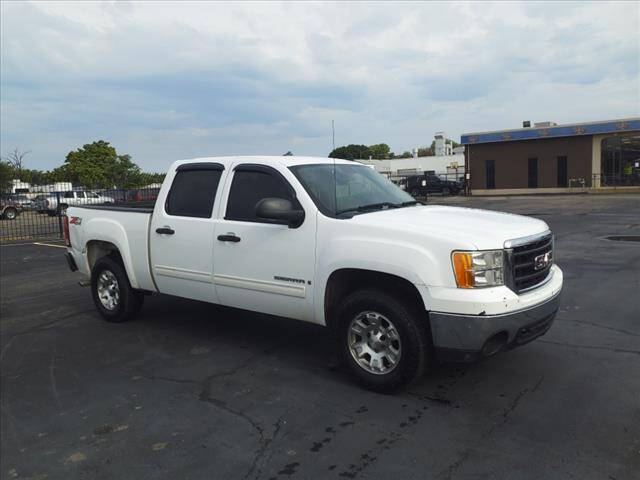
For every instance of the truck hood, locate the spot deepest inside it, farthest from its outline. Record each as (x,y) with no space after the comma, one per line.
(484,229)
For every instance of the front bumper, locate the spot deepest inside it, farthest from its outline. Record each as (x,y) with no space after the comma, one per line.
(471,337)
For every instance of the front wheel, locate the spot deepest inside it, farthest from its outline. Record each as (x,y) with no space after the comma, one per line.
(112,294)
(382,340)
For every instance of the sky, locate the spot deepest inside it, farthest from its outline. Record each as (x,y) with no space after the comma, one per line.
(167,80)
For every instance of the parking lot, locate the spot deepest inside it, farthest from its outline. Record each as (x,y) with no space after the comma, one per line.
(191,390)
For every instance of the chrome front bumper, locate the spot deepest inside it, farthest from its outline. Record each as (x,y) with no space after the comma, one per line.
(466,337)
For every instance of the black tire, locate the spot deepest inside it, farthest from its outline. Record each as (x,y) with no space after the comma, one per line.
(411,326)
(10,213)
(129,300)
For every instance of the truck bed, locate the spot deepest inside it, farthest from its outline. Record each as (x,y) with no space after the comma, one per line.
(126,226)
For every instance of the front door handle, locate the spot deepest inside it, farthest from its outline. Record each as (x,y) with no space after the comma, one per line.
(165,231)
(229,238)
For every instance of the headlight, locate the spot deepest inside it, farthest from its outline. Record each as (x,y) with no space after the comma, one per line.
(478,269)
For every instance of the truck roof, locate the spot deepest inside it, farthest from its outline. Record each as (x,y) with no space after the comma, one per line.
(288,161)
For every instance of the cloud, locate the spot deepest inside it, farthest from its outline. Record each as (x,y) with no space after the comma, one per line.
(167,80)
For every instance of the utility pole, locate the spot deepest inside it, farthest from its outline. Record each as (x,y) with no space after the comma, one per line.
(333,135)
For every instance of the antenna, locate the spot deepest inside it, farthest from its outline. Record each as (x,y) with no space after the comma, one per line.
(333,135)
(335,182)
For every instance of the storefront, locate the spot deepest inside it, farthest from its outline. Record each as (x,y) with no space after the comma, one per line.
(550,158)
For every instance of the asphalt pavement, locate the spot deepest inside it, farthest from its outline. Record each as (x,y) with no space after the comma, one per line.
(193,391)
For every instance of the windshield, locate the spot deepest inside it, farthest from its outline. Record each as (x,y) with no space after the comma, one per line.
(351,189)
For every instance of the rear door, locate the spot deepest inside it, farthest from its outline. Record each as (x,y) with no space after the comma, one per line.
(181,235)
(263,265)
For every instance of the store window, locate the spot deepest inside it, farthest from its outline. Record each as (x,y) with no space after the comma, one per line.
(533,173)
(562,172)
(491,174)
(620,161)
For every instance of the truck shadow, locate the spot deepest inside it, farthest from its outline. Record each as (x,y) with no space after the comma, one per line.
(185,328)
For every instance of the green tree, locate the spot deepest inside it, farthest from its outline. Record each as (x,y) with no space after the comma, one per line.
(427,151)
(351,152)
(6,175)
(98,165)
(379,151)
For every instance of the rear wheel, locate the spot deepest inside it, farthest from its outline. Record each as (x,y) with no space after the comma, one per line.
(10,213)
(382,340)
(112,293)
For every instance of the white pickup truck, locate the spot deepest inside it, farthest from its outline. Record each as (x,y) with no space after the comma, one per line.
(400,284)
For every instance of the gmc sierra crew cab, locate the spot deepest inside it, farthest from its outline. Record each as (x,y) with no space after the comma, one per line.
(331,242)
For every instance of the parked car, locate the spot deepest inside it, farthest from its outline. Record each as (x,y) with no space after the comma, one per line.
(328,242)
(49,203)
(9,208)
(21,199)
(423,185)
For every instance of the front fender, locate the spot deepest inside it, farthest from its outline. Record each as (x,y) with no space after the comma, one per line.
(405,260)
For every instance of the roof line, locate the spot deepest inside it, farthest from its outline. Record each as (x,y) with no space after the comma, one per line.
(629,119)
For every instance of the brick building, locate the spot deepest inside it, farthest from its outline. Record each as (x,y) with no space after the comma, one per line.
(550,158)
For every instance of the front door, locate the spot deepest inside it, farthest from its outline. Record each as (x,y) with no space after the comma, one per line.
(262,265)
(181,235)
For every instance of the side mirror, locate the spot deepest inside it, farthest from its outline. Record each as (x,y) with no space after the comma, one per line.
(281,210)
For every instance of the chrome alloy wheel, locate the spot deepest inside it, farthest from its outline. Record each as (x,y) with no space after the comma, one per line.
(108,290)
(374,343)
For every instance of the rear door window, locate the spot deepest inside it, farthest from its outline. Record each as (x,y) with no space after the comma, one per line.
(193,190)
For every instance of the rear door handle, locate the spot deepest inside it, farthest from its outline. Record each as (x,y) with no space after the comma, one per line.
(165,231)
(228,238)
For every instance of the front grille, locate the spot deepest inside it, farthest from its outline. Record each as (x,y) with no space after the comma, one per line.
(528,270)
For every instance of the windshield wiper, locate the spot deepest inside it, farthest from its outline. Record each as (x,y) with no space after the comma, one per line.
(371,206)
(409,203)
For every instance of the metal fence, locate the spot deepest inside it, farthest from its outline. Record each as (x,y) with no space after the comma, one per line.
(37,214)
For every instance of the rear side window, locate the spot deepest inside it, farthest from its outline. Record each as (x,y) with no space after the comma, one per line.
(193,192)
(249,186)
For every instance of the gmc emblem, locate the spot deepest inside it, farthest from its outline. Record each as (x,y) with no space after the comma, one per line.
(542,261)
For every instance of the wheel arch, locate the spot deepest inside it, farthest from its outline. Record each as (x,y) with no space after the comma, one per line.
(343,281)
(97,249)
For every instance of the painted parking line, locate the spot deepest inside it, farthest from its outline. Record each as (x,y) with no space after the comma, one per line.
(49,245)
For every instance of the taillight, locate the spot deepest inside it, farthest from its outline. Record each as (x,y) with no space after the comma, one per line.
(65,223)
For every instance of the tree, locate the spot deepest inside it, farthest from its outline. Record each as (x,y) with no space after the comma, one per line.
(379,151)
(427,151)
(16,159)
(6,175)
(405,154)
(98,165)
(351,152)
